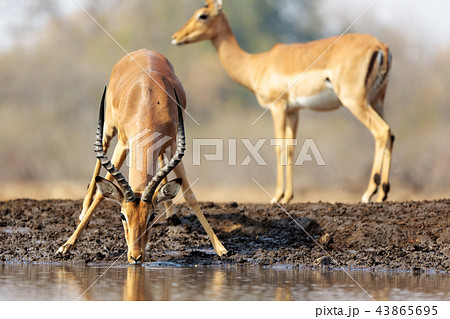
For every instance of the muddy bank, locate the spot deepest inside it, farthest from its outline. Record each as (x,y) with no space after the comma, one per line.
(399,236)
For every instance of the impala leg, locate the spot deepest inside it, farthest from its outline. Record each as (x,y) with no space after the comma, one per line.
(381,133)
(190,198)
(168,205)
(386,168)
(120,153)
(290,134)
(279,126)
(92,188)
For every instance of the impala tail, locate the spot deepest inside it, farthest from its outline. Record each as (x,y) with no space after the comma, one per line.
(378,71)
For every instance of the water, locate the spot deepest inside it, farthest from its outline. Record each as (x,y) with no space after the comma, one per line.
(50,282)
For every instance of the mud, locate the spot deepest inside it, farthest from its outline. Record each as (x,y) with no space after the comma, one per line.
(411,236)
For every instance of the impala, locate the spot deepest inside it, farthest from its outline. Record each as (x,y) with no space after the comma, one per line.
(144,95)
(323,75)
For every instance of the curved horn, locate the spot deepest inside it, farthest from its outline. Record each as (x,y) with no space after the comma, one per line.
(163,172)
(98,149)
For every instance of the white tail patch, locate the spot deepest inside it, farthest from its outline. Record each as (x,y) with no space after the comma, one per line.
(381,74)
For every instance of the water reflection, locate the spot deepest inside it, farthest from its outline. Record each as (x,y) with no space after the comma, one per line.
(134,288)
(73,281)
(46,282)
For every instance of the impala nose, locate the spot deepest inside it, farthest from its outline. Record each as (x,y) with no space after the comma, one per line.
(137,259)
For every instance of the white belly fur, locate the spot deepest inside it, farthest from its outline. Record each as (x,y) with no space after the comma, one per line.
(326,100)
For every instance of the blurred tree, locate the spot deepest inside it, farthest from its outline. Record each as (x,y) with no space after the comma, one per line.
(259,24)
(52,75)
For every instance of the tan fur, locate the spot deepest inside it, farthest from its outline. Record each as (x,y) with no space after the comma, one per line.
(137,99)
(337,78)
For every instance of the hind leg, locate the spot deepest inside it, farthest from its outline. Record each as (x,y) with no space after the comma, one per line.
(385,170)
(171,216)
(382,135)
(92,188)
(386,166)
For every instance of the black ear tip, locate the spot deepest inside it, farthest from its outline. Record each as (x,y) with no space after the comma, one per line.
(179,181)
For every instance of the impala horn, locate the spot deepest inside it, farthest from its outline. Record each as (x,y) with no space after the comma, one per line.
(163,172)
(106,163)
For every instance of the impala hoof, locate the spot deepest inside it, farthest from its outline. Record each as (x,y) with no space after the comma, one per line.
(366,198)
(64,250)
(276,199)
(222,253)
(286,200)
(220,250)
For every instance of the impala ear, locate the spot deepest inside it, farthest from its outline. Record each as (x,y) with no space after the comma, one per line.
(108,189)
(167,191)
(219,5)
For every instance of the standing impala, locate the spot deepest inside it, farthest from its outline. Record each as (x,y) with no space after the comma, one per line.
(321,75)
(142,97)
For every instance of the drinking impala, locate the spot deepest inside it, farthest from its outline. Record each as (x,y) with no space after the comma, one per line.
(144,95)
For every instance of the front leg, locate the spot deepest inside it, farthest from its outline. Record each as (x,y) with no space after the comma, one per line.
(70,244)
(120,153)
(191,200)
(279,126)
(279,191)
(290,134)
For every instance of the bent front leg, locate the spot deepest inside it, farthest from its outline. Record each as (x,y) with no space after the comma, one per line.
(117,160)
(191,200)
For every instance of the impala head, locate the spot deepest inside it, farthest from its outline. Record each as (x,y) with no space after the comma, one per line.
(137,210)
(138,215)
(204,24)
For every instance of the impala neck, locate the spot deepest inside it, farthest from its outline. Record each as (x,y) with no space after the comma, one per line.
(238,64)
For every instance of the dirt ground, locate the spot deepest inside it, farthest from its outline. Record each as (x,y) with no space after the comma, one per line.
(411,236)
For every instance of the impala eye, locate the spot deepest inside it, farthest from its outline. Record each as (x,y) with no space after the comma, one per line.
(122,216)
(151,218)
(203,17)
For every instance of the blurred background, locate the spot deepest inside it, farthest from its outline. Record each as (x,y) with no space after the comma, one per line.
(55,61)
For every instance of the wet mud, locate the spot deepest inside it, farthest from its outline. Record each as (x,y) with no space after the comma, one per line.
(413,236)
